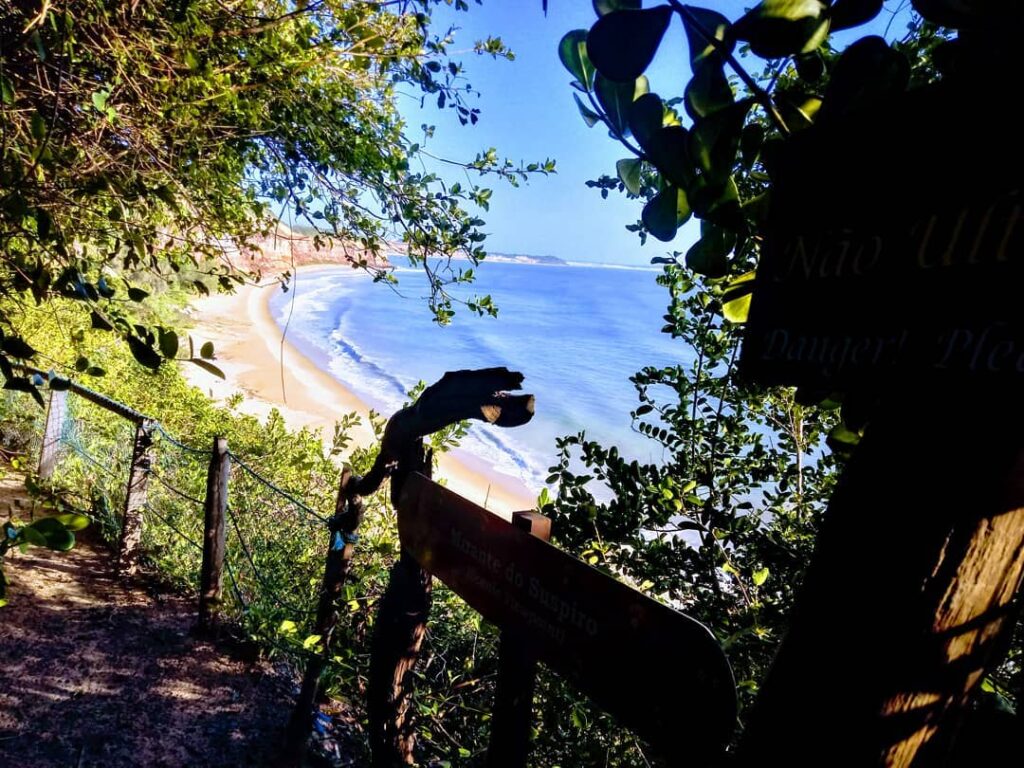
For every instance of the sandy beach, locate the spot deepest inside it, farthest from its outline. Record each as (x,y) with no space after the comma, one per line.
(271,373)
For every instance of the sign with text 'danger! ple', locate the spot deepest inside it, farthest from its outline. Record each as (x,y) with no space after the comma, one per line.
(895,247)
(657,670)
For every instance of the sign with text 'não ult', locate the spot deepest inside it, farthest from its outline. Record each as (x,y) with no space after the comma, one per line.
(895,247)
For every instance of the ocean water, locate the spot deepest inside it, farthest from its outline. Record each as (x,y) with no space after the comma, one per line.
(577,332)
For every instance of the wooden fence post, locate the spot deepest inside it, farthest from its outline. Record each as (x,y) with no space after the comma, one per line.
(55,414)
(135,499)
(397,637)
(517,670)
(215,507)
(347,517)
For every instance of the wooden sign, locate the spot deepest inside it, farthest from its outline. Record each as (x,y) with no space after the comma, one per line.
(895,247)
(659,671)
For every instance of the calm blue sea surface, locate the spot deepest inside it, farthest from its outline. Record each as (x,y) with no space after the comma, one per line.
(576,332)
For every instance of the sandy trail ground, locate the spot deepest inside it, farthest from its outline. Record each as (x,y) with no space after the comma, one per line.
(97,674)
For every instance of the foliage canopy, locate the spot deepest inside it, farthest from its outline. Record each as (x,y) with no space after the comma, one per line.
(145,143)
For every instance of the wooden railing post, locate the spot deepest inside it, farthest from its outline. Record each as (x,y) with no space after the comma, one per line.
(397,638)
(517,670)
(55,414)
(347,517)
(135,500)
(211,578)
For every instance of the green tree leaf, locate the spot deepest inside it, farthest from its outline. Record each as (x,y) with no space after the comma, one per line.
(572,51)
(736,298)
(622,44)
(616,98)
(629,173)
(590,117)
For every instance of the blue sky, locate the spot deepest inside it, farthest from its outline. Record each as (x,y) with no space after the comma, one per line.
(528,113)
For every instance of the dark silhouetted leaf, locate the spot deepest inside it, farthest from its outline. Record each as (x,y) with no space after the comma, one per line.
(868,70)
(18,384)
(622,44)
(708,90)
(751,141)
(670,152)
(715,140)
(206,366)
(665,212)
(852,13)
(810,66)
(616,98)
(709,255)
(99,322)
(957,14)
(15,346)
(168,343)
(776,28)
(602,7)
(137,294)
(646,115)
(206,351)
(144,353)
(703,25)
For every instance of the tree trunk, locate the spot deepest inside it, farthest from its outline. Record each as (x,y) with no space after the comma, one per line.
(910,594)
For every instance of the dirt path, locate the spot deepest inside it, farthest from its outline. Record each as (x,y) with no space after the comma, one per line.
(95,674)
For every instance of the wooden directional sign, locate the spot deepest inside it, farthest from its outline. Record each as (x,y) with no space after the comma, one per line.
(895,247)
(659,671)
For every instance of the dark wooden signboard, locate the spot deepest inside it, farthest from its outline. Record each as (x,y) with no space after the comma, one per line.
(895,247)
(658,670)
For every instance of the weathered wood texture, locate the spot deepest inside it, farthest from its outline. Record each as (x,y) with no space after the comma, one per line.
(348,514)
(910,593)
(609,639)
(215,509)
(517,672)
(56,412)
(402,615)
(457,396)
(398,636)
(134,500)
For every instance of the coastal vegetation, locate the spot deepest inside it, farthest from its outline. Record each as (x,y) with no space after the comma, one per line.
(146,146)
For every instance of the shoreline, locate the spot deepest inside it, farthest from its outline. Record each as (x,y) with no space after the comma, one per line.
(249,350)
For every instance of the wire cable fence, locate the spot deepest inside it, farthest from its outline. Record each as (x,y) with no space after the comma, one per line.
(106,458)
(276,546)
(95,458)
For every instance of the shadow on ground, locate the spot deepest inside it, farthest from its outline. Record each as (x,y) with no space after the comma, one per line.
(95,674)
